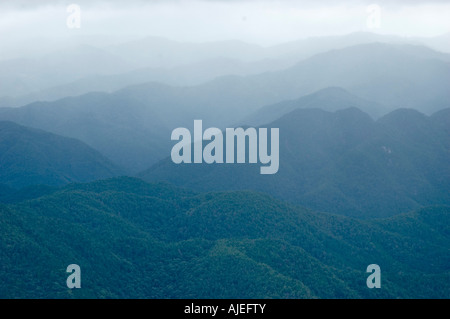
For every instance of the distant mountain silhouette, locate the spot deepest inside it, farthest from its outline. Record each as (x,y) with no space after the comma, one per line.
(394,76)
(185,75)
(120,126)
(22,76)
(342,162)
(329,99)
(86,68)
(132,126)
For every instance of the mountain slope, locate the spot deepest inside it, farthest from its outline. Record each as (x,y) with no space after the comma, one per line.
(183,64)
(392,75)
(120,126)
(31,156)
(342,162)
(186,75)
(131,240)
(330,99)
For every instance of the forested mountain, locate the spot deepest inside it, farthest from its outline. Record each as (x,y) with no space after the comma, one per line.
(31,156)
(120,126)
(342,162)
(12,195)
(138,240)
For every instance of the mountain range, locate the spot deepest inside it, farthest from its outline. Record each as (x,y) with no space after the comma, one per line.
(132,126)
(341,162)
(138,240)
(363,178)
(98,66)
(328,99)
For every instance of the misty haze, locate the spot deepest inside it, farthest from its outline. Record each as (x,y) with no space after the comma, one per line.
(358,94)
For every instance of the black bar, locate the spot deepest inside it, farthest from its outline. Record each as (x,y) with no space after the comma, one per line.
(272,308)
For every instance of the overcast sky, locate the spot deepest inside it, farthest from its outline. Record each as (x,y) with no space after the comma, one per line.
(262,22)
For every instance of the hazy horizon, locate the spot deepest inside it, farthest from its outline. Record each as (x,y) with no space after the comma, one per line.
(264,23)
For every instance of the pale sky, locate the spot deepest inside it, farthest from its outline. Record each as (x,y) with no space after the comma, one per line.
(264,22)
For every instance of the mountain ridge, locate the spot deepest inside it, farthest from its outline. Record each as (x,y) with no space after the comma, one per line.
(342,162)
(228,241)
(31,156)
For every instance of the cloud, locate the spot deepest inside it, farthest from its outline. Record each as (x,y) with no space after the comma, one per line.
(32,4)
(258,21)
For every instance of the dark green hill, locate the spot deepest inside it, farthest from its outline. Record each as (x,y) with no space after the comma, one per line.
(5,192)
(342,162)
(132,240)
(11,195)
(30,156)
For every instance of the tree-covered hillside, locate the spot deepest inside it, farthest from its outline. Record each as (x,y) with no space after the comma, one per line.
(30,156)
(138,240)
